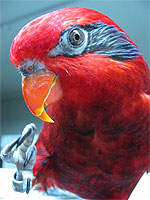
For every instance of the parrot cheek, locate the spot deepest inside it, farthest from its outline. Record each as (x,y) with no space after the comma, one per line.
(40,90)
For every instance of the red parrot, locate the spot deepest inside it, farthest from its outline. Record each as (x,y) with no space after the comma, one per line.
(94,81)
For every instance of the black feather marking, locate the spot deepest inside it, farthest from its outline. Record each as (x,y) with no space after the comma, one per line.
(108,40)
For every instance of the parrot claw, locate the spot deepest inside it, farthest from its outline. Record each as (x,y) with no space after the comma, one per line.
(22,153)
(26,134)
(8,150)
(31,155)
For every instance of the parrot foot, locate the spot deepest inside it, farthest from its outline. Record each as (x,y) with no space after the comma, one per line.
(22,153)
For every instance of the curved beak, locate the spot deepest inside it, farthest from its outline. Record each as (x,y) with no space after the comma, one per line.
(40,90)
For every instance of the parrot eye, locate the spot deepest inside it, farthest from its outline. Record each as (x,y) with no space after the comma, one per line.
(72,42)
(76,37)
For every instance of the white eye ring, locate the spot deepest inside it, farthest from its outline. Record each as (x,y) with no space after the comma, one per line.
(70,44)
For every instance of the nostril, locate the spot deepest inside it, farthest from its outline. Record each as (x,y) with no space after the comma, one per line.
(30,68)
(27,70)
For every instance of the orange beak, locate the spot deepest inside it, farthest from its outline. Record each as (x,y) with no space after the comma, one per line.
(40,90)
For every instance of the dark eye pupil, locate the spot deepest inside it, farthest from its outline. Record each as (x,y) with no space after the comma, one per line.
(76,37)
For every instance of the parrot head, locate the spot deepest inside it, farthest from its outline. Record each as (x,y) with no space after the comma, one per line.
(64,54)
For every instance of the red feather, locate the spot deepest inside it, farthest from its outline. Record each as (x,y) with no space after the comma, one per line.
(98,147)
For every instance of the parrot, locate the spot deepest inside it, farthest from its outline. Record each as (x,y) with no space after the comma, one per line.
(88,82)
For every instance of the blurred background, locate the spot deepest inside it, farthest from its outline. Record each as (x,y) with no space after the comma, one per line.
(132,16)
